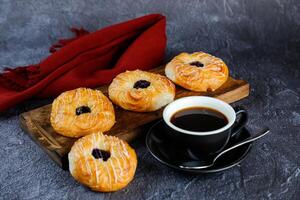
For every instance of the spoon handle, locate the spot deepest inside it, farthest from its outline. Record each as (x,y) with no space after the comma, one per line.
(250,139)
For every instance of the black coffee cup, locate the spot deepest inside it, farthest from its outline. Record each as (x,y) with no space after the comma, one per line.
(210,142)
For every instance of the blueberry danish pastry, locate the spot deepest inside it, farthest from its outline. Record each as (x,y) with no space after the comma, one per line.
(141,91)
(198,71)
(82,111)
(103,163)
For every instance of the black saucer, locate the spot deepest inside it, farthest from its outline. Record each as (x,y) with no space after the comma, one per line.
(172,154)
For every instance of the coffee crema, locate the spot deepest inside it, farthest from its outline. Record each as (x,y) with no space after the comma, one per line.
(200,119)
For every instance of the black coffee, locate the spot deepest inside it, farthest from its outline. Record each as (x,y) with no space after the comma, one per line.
(199,119)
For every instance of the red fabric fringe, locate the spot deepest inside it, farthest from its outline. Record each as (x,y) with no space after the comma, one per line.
(63,42)
(21,78)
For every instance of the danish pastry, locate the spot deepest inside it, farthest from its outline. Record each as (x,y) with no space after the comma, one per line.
(103,163)
(141,91)
(198,71)
(82,111)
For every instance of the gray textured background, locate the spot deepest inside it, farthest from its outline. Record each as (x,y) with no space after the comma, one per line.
(258,39)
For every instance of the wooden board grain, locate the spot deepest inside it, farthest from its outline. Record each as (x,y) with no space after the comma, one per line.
(128,125)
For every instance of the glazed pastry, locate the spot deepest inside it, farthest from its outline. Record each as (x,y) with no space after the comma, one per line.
(103,163)
(198,71)
(82,111)
(141,91)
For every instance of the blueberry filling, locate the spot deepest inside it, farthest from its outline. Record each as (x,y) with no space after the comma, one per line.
(82,109)
(141,84)
(197,64)
(101,154)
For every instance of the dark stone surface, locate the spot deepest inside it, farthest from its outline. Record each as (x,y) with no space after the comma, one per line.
(259,40)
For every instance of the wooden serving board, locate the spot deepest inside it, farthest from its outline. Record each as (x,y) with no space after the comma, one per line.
(128,125)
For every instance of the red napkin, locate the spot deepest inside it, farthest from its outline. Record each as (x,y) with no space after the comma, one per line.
(89,60)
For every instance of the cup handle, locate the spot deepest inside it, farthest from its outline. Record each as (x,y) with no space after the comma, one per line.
(238,125)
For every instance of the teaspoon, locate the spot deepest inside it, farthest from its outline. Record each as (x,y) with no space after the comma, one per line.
(212,160)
